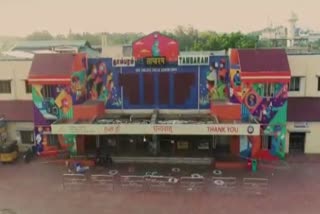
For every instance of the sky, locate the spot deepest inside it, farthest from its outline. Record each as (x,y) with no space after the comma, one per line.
(22,17)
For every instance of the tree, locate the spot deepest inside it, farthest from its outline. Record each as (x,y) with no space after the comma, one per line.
(40,35)
(60,37)
(186,36)
(189,38)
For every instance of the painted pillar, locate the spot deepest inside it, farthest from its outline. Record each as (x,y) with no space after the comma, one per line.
(80,144)
(256,146)
(235,145)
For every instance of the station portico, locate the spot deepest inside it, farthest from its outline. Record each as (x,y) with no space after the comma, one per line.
(138,135)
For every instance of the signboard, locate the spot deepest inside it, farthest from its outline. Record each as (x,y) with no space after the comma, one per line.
(123,62)
(155,45)
(203,145)
(193,60)
(300,125)
(182,145)
(154,61)
(156,129)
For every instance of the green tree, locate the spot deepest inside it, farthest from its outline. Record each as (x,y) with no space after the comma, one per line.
(189,38)
(40,35)
(186,36)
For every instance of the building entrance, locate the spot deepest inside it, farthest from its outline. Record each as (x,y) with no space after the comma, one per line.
(297,142)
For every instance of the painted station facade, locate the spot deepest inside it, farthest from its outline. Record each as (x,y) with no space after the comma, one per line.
(162,103)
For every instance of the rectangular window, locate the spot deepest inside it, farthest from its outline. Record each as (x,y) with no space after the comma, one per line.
(294,84)
(5,86)
(318,83)
(47,91)
(26,137)
(28,87)
(164,92)
(52,140)
(268,90)
(266,142)
(131,90)
(148,88)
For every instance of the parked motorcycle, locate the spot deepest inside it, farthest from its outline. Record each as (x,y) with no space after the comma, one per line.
(29,154)
(103,160)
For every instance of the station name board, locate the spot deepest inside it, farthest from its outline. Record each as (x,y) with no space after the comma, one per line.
(123,62)
(193,60)
(155,61)
(159,61)
(157,129)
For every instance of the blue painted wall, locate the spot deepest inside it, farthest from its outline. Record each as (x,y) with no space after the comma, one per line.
(105,85)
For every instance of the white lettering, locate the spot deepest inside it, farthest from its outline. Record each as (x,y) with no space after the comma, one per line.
(223,129)
(193,60)
(123,62)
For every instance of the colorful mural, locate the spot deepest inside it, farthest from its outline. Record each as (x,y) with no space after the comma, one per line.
(69,143)
(269,111)
(103,84)
(214,81)
(62,142)
(155,79)
(162,81)
(78,87)
(155,45)
(53,101)
(235,90)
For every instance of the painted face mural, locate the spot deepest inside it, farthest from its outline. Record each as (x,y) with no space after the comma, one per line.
(235,86)
(214,81)
(78,87)
(100,84)
(155,46)
(217,79)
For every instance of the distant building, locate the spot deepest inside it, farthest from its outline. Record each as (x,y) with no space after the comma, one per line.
(114,51)
(27,49)
(16,109)
(304,104)
(291,34)
(279,32)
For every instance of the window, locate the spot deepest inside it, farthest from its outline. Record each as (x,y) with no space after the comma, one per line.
(52,140)
(46,91)
(28,87)
(26,137)
(318,83)
(268,90)
(5,86)
(294,84)
(297,142)
(266,142)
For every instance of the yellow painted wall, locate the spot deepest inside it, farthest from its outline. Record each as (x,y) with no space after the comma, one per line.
(17,72)
(312,145)
(307,67)
(14,134)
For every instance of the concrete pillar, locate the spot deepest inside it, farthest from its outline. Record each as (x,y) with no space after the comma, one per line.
(154,145)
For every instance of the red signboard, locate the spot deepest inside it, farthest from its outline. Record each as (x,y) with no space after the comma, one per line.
(156,45)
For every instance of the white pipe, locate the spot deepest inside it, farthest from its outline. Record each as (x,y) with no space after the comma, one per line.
(199,89)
